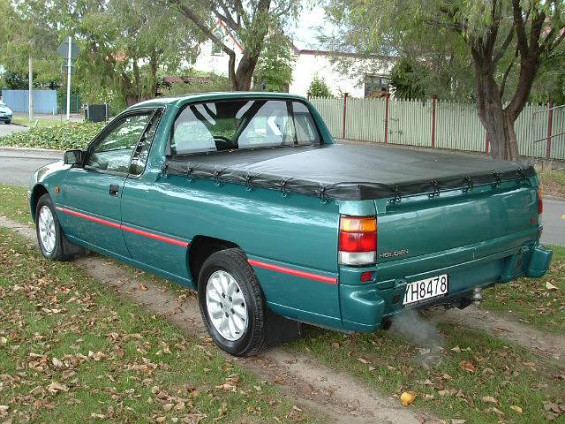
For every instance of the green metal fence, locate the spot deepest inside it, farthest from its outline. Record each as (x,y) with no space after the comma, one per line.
(439,124)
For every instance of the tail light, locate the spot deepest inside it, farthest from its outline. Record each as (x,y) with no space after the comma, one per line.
(357,240)
(540,201)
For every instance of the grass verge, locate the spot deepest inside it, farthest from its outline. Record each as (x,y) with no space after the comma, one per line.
(36,123)
(72,351)
(457,374)
(539,302)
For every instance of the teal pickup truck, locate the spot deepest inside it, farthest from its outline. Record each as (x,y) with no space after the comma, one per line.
(246,198)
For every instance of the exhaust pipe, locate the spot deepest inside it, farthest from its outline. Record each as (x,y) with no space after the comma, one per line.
(477,296)
(386,324)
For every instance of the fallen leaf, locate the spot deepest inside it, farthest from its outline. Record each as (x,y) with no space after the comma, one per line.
(456,349)
(489,399)
(363,360)
(550,286)
(99,416)
(55,387)
(467,366)
(407,398)
(495,410)
(57,363)
(516,408)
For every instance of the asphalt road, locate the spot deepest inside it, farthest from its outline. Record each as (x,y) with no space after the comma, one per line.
(16,167)
(9,129)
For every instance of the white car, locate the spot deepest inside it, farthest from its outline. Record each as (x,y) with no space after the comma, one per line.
(5,113)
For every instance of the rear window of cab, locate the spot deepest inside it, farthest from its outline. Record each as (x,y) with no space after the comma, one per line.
(242,124)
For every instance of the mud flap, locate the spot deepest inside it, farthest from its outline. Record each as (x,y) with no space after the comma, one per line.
(281,329)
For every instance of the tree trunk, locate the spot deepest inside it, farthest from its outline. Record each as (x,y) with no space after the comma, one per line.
(244,74)
(499,125)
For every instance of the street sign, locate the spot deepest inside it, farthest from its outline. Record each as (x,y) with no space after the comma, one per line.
(63,49)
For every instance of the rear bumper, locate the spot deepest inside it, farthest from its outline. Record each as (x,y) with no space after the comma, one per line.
(363,306)
(6,118)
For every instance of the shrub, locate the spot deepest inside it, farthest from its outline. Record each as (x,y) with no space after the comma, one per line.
(64,136)
(319,87)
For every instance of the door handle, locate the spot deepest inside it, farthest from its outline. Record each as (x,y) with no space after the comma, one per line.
(114,189)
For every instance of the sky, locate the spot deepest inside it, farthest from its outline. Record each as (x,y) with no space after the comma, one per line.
(306,33)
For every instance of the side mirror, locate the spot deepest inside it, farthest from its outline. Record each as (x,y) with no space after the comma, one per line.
(74,157)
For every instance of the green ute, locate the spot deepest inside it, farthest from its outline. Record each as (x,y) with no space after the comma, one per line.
(246,198)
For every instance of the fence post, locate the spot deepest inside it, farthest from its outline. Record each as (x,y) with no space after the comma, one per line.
(344,113)
(308,95)
(549,130)
(387,100)
(434,100)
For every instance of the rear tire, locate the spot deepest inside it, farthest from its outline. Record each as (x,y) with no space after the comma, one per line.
(232,304)
(49,235)
(7,122)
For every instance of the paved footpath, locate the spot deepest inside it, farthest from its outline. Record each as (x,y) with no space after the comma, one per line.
(17,166)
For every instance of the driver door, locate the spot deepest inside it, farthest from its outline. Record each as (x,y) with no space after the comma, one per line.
(91,195)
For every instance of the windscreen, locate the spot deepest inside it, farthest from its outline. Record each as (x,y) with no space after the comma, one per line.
(242,124)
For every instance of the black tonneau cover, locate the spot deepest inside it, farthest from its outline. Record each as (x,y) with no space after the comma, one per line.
(347,171)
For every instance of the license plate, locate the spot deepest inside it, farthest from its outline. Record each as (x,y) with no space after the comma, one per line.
(422,290)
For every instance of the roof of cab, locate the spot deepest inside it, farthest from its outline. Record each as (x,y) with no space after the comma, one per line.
(181,101)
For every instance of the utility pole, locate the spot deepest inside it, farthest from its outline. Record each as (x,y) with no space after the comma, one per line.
(68,50)
(30,89)
(69,80)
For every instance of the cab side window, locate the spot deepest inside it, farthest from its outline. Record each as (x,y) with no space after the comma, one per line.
(114,151)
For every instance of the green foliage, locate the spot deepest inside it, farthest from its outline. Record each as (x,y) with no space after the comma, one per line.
(274,68)
(409,79)
(23,33)
(15,81)
(126,44)
(60,137)
(197,83)
(428,31)
(319,88)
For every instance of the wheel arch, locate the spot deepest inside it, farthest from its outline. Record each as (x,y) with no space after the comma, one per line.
(201,247)
(38,191)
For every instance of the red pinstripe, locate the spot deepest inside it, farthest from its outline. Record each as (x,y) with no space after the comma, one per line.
(124,227)
(253,262)
(295,272)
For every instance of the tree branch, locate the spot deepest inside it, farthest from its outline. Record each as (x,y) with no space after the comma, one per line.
(520,28)
(506,73)
(499,53)
(196,20)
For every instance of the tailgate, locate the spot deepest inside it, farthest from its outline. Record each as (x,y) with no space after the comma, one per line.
(458,226)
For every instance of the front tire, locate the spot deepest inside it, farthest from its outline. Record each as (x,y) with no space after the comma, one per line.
(231,303)
(49,234)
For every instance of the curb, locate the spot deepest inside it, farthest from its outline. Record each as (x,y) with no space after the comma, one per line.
(29,149)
